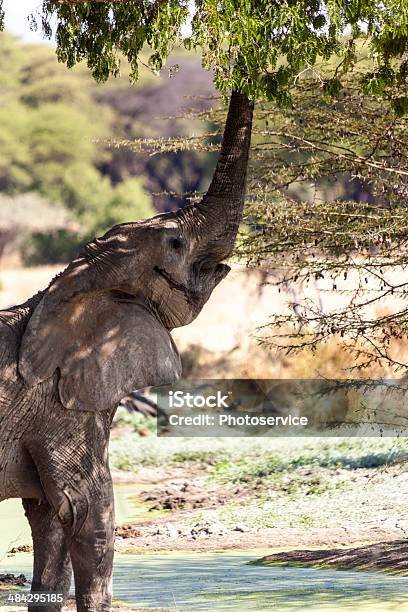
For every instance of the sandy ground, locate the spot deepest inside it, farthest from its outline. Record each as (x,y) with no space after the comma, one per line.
(179,490)
(18,284)
(268,538)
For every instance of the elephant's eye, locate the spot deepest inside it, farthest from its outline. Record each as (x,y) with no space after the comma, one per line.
(176,243)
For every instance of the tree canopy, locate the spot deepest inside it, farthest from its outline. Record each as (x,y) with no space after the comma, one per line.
(256,46)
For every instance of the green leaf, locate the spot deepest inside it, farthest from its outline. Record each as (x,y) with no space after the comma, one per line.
(332,88)
(400,106)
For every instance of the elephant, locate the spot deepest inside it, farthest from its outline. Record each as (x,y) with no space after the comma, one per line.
(70,354)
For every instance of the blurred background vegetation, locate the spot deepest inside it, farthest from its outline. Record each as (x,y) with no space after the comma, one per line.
(62,181)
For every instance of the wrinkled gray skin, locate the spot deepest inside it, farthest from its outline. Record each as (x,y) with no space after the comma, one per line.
(69,354)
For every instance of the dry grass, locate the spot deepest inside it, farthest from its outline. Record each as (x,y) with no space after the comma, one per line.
(256,361)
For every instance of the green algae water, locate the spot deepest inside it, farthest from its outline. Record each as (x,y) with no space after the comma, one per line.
(224,581)
(219,582)
(15,530)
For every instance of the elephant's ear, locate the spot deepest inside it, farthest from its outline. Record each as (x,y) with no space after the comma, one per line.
(103,348)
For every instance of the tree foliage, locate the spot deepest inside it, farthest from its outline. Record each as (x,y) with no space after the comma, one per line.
(328,208)
(330,128)
(52,144)
(256,46)
(32,78)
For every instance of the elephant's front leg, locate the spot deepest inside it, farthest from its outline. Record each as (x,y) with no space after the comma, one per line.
(52,566)
(91,550)
(72,461)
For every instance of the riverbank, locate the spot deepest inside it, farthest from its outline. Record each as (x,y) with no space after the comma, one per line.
(221,494)
(192,513)
(237,494)
(391,557)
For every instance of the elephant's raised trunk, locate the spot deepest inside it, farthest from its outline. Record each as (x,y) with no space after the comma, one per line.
(221,207)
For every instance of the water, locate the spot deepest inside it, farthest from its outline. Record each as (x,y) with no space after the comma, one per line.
(224,581)
(15,530)
(220,581)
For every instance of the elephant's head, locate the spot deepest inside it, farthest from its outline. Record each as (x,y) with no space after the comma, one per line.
(104,321)
(160,263)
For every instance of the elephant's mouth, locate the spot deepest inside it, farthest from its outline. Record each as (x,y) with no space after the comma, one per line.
(185,302)
(212,275)
(170,281)
(221,271)
(207,278)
